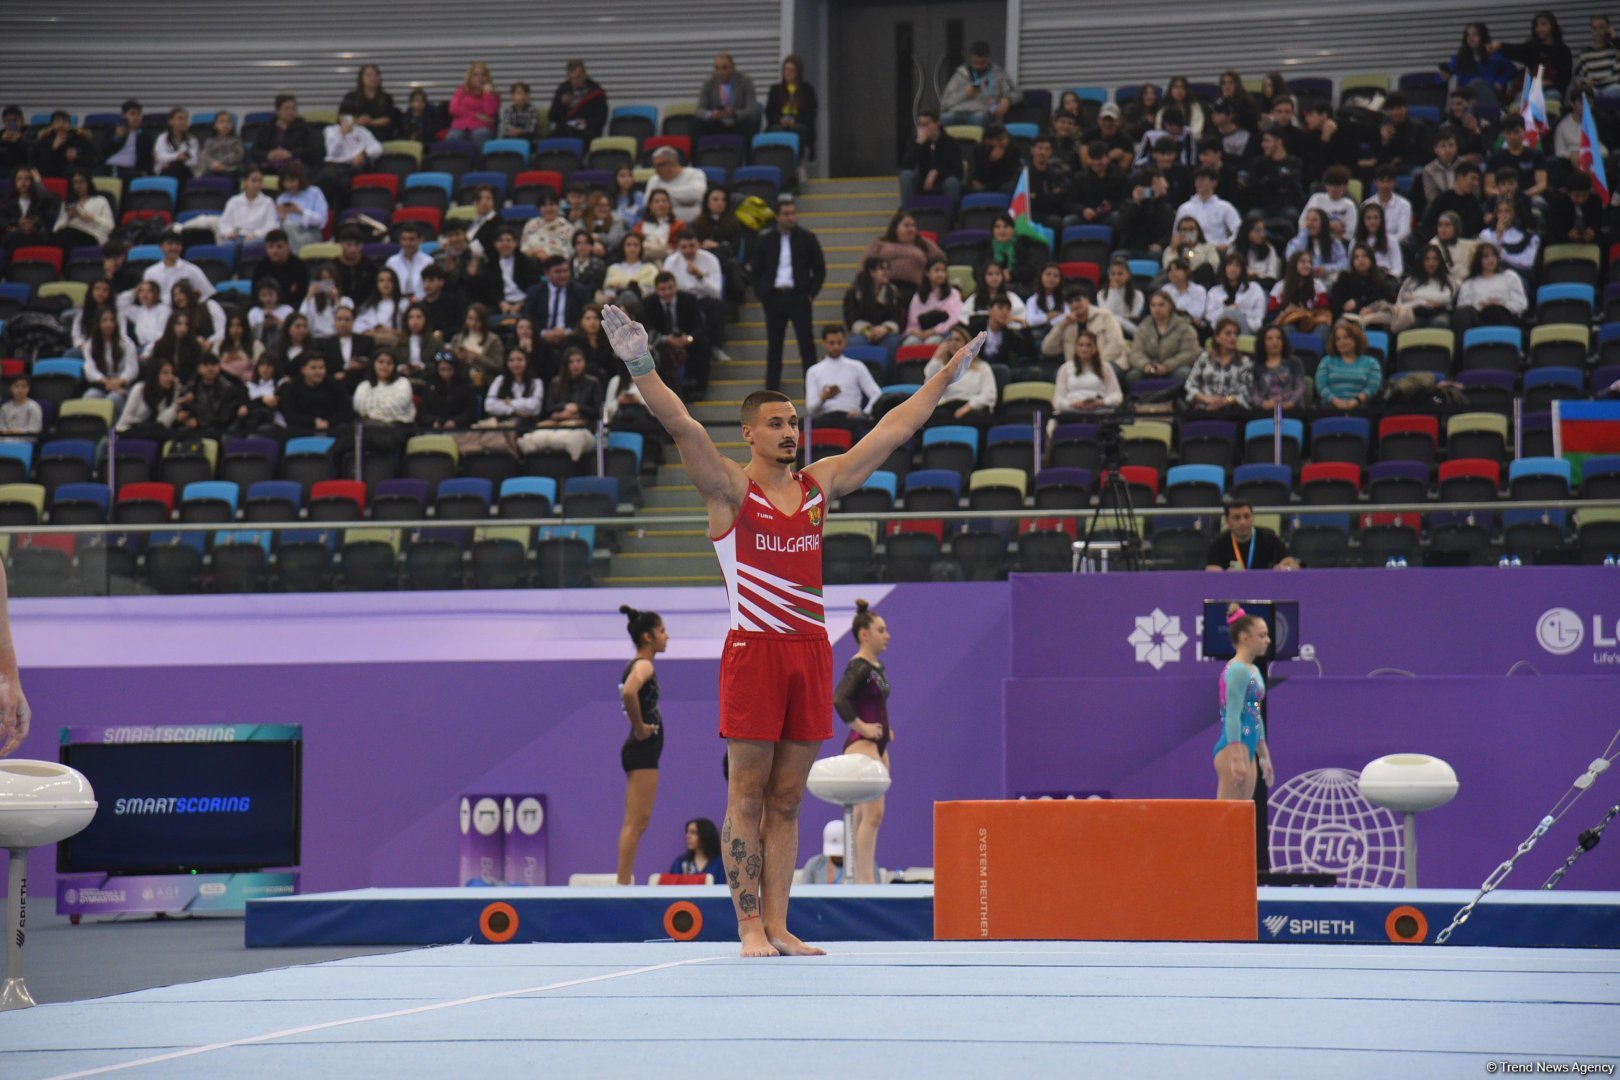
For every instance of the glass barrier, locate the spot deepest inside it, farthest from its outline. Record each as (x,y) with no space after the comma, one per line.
(211,545)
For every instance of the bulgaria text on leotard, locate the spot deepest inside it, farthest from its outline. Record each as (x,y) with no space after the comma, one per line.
(863,694)
(772,563)
(1242,691)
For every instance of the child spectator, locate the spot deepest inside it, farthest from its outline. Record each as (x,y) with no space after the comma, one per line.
(21,418)
(519,119)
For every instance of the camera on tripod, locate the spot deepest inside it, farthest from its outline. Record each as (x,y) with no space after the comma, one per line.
(1110,445)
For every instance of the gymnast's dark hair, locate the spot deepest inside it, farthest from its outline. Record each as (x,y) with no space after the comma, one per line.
(863,618)
(642,623)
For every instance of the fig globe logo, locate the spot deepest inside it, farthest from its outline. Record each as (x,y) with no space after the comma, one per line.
(1158,639)
(1321,824)
(1559,631)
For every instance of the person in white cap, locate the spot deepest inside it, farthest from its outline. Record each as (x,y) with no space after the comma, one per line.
(828,867)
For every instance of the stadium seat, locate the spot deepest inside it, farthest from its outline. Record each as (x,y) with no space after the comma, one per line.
(1497,348)
(1424,350)
(1559,345)
(1326,483)
(1208,442)
(1262,484)
(1411,437)
(1259,441)
(527,497)
(1477,435)
(1341,438)
(1565,303)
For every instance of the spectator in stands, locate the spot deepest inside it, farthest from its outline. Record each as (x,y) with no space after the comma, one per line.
(1544,49)
(629,200)
(1217,219)
(1243,545)
(291,272)
(1067,145)
(1517,245)
(519,118)
(1348,376)
(1165,344)
(1236,296)
(223,152)
(1403,142)
(448,403)
(1394,208)
(172,268)
(215,403)
(1300,301)
(702,853)
(410,262)
(1189,297)
(355,270)
(826,868)
(1528,161)
(1222,378)
(1599,66)
(419,345)
(508,275)
(1142,111)
(371,106)
(1006,340)
(312,404)
(1334,203)
(1021,256)
(97,297)
(1456,252)
(873,309)
(1474,136)
(1427,295)
(1328,252)
(144,314)
(934,310)
(1237,142)
(1364,290)
(685,185)
(790,106)
(727,104)
(555,304)
(1121,298)
(1566,144)
(153,405)
(176,151)
(1278,376)
(1085,383)
(302,207)
(1479,66)
(1175,134)
(347,351)
(263,390)
(579,107)
(422,121)
(516,395)
(384,398)
(905,250)
(992,283)
(1462,201)
(27,212)
(1440,174)
(699,273)
(1099,191)
(588,269)
(477,345)
(111,360)
(475,106)
(1212,158)
(1045,304)
(1493,295)
(788,272)
(630,273)
(1118,146)
(60,149)
(573,405)
(978,92)
(239,350)
(382,313)
(1575,217)
(350,148)
(838,391)
(290,345)
(659,228)
(1082,317)
(1276,180)
(21,418)
(1188,245)
(996,163)
(1146,220)
(207,317)
(86,217)
(718,231)
(251,214)
(286,140)
(1178,95)
(321,303)
(180,345)
(13,140)
(591,340)
(1051,188)
(127,148)
(932,163)
(971,399)
(683,331)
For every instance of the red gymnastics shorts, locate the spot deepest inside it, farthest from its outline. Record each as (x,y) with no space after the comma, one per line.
(776,687)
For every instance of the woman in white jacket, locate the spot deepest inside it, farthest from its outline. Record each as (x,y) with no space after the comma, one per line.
(175,152)
(515,397)
(1493,295)
(111,361)
(385,397)
(250,215)
(86,217)
(972,397)
(1235,296)
(1087,384)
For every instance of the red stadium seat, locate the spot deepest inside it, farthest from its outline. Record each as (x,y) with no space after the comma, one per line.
(353,490)
(148,491)
(826,436)
(682,144)
(52,255)
(1077,270)
(1481,467)
(914,352)
(376,180)
(1331,470)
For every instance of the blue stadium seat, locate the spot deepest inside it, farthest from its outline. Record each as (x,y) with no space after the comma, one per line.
(883,480)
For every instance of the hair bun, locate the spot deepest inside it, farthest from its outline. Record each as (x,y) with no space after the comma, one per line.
(627,610)
(861,607)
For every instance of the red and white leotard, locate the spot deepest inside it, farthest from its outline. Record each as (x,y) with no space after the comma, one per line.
(772,563)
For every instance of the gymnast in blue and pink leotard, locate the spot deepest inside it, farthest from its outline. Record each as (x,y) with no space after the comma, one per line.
(1241,745)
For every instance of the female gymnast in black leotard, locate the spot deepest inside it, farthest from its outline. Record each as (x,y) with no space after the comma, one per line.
(862,700)
(638,690)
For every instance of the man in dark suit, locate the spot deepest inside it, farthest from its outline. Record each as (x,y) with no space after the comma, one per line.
(788,272)
(676,315)
(346,352)
(555,305)
(506,277)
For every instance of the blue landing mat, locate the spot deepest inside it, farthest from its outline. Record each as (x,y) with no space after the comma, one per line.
(444,916)
(907,1010)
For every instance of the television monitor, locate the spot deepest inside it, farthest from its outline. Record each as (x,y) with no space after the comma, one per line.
(1282,619)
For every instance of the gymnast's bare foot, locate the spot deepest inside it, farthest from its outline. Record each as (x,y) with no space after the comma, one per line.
(788,945)
(754,940)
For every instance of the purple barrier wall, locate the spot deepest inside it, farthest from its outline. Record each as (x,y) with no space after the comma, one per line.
(390,747)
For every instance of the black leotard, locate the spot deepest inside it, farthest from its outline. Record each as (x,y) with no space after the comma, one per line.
(863,694)
(643,754)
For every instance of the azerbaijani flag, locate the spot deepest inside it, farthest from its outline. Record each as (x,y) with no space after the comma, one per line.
(1584,429)
(1023,224)
(1533,107)
(1591,161)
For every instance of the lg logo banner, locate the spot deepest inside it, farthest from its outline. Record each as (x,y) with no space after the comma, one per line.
(1560,631)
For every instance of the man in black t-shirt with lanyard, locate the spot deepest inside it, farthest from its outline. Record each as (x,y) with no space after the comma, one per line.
(1242,546)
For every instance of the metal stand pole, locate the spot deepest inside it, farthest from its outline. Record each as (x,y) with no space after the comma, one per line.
(13,994)
(1409,829)
(849,843)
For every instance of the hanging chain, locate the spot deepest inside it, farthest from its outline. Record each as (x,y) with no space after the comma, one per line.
(1588,840)
(1496,878)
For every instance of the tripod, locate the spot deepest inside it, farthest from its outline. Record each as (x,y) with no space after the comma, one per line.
(1116,497)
